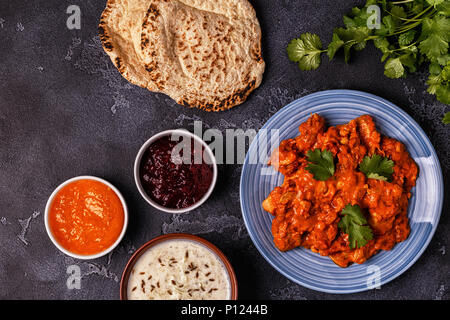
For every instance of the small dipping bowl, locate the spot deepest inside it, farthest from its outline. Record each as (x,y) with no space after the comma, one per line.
(59,245)
(207,156)
(167,239)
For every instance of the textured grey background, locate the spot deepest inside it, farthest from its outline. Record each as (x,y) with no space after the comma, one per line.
(66,111)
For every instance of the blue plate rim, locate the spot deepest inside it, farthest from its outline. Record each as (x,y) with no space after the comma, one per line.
(433,154)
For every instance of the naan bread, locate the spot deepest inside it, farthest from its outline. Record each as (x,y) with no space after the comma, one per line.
(202,53)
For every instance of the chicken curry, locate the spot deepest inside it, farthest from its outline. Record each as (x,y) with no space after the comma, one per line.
(309,211)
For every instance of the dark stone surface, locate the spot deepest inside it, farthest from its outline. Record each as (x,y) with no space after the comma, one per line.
(66,111)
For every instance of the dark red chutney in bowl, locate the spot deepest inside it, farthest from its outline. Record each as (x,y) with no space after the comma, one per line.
(175,171)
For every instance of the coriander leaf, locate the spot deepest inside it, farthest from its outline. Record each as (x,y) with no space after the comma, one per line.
(444,8)
(409,59)
(443,93)
(434,68)
(349,22)
(306,51)
(355,225)
(433,46)
(382,44)
(437,25)
(435,37)
(446,72)
(360,17)
(393,68)
(347,48)
(434,2)
(446,119)
(444,59)
(309,62)
(417,8)
(439,83)
(321,164)
(295,50)
(376,176)
(355,36)
(312,41)
(398,13)
(406,38)
(376,167)
(334,46)
(389,23)
(433,82)
(385,56)
(360,46)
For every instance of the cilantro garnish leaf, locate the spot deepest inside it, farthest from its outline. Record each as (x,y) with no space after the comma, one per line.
(321,164)
(305,51)
(377,167)
(355,225)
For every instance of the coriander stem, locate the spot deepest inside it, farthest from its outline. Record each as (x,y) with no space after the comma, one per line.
(400,2)
(403,48)
(421,13)
(400,18)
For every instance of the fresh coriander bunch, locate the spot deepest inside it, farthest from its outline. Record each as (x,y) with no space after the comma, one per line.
(409,33)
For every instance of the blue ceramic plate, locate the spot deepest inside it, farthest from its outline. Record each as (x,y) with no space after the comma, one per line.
(310,269)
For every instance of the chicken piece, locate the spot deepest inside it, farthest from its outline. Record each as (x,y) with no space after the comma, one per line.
(271,202)
(368,133)
(309,131)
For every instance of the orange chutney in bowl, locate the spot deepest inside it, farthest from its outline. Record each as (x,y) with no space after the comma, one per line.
(86,217)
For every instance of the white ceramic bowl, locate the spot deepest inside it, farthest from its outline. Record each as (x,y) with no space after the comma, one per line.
(210,157)
(79,256)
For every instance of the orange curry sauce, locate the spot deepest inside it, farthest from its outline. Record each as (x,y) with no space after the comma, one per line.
(86,217)
(307,211)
